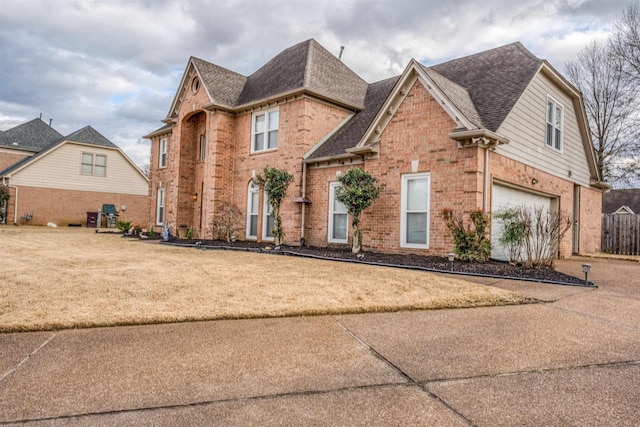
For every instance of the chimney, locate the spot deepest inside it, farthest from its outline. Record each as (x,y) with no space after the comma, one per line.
(341,50)
(50,120)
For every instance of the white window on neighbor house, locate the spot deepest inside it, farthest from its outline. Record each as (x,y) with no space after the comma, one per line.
(268,220)
(93,164)
(338,218)
(264,134)
(203,148)
(555,124)
(414,220)
(163,153)
(252,211)
(160,207)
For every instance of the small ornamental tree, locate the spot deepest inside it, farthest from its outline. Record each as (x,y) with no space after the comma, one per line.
(357,192)
(275,182)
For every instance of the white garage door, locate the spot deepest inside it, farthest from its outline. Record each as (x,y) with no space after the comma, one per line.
(505,198)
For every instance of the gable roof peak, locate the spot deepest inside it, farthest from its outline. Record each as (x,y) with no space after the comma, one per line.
(89,135)
(33,135)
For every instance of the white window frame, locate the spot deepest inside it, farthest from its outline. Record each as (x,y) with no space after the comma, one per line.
(404,211)
(555,142)
(203,148)
(267,211)
(93,165)
(269,128)
(162,161)
(160,202)
(332,213)
(253,189)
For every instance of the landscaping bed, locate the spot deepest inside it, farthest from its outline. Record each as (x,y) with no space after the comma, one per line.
(423,262)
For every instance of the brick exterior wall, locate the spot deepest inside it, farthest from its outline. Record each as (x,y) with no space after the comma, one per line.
(416,135)
(8,159)
(72,206)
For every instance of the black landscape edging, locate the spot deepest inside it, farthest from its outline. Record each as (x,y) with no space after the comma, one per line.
(378,264)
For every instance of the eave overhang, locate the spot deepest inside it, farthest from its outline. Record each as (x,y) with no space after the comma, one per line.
(483,138)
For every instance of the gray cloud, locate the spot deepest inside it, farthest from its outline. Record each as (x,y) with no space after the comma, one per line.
(116,65)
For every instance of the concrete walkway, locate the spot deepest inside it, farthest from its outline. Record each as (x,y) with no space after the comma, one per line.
(571,360)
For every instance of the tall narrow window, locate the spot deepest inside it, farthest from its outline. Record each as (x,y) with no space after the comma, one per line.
(338,218)
(252,211)
(163,153)
(414,222)
(268,219)
(265,130)
(160,207)
(203,148)
(555,123)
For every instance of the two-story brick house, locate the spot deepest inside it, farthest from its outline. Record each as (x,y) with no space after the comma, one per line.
(491,130)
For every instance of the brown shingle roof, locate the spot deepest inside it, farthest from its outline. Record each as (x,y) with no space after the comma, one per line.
(305,66)
(495,79)
(352,132)
(223,86)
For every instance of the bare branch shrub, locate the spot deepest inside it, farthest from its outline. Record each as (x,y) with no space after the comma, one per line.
(228,222)
(544,230)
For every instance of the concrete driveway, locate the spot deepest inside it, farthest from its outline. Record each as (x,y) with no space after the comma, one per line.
(572,360)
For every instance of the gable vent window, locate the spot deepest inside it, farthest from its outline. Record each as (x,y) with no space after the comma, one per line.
(264,134)
(93,164)
(555,124)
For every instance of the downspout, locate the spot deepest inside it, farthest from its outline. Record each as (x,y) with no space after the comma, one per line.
(303,205)
(485,177)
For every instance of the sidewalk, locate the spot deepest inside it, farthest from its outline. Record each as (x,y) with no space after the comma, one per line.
(572,360)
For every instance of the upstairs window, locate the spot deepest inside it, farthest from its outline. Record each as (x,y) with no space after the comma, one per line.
(93,164)
(163,153)
(555,124)
(264,134)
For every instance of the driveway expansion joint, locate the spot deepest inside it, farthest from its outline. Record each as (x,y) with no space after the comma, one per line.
(23,361)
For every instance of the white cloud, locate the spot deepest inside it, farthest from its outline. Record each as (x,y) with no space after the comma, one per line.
(116,65)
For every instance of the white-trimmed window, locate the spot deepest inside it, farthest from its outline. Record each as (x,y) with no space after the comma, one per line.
(268,221)
(264,134)
(555,124)
(414,221)
(93,164)
(160,207)
(163,153)
(338,217)
(252,211)
(202,148)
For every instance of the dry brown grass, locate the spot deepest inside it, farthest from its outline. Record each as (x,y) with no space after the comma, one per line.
(67,278)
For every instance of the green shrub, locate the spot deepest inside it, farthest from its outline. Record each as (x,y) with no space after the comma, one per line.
(125,226)
(470,243)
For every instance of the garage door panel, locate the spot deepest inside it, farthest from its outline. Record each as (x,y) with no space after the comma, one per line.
(504,198)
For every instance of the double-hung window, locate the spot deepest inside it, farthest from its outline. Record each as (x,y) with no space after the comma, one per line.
(555,124)
(414,221)
(264,135)
(252,211)
(163,153)
(93,164)
(338,218)
(267,220)
(160,207)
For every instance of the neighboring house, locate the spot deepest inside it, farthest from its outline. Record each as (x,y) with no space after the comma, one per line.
(496,129)
(621,201)
(58,179)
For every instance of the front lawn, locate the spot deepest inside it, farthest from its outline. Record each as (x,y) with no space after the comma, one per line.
(67,278)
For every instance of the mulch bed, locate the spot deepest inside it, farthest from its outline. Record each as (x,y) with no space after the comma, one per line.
(425,262)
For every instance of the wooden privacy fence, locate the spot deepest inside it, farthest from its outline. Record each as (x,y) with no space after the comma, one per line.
(621,234)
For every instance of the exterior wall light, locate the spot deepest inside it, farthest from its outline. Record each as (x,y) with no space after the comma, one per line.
(451,257)
(586,268)
(194,196)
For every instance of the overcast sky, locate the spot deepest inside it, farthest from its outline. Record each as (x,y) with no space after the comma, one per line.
(116,65)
